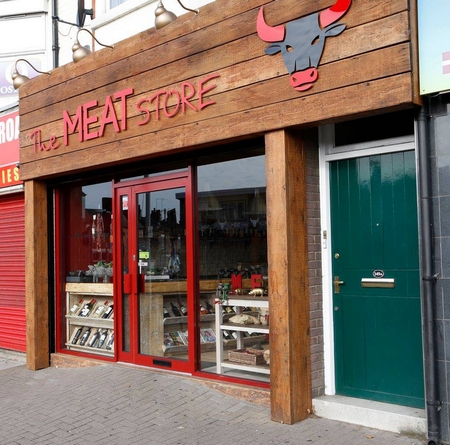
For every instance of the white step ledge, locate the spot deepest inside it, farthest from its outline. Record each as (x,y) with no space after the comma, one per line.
(381,416)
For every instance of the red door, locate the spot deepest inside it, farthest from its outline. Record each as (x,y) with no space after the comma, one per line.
(155,269)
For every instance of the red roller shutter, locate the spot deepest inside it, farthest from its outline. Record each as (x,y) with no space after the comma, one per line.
(12,272)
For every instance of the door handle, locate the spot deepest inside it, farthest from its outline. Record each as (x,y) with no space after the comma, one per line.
(337,283)
(141,283)
(127,283)
(132,283)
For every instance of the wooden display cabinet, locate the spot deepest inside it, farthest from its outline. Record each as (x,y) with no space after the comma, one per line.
(179,324)
(102,293)
(222,324)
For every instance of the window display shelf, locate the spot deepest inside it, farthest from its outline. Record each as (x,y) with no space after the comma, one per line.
(244,328)
(263,369)
(240,302)
(91,322)
(84,333)
(178,320)
(174,328)
(103,289)
(86,349)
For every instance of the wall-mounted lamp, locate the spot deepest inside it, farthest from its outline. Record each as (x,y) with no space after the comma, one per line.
(80,52)
(20,79)
(164,17)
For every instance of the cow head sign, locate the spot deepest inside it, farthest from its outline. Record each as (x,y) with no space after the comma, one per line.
(301,41)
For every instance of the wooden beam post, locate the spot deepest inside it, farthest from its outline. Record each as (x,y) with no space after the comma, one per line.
(290,365)
(36,275)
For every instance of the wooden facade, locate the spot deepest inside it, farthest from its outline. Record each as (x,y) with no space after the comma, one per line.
(232,91)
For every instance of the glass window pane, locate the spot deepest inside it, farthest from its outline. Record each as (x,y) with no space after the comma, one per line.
(374,128)
(86,260)
(232,241)
(161,240)
(114,3)
(87,228)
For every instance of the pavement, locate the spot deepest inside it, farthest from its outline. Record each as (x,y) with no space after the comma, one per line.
(116,404)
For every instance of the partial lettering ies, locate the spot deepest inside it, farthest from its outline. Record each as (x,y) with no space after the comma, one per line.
(91,124)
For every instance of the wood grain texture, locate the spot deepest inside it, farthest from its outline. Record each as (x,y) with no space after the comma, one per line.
(252,96)
(288,275)
(36,275)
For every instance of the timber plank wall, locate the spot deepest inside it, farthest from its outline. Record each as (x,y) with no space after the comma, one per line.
(370,67)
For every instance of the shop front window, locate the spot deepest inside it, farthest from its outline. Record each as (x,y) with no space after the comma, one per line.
(191,263)
(87,232)
(86,254)
(232,233)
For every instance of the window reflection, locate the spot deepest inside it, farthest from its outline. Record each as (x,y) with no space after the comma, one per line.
(232,218)
(232,228)
(87,232)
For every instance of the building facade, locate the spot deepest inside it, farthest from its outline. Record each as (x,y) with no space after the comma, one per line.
(18,21)
(204,167)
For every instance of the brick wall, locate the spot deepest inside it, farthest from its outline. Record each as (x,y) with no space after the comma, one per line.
(315,273)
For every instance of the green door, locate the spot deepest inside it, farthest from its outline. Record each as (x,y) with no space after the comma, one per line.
(375,260)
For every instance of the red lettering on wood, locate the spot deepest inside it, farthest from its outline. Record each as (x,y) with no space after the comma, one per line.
(35,136)
(147,117)
(155,98)
(187,95)
(86,117)
(202,91)
(70,126)
(108,117)
(38,145)
(122,95)
(166,99)
(54,144)
(88,120)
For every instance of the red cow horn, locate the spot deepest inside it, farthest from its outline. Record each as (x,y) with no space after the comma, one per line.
(334,12)
(269,33)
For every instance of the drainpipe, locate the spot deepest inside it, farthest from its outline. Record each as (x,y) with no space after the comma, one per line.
(428,279)
(55,37)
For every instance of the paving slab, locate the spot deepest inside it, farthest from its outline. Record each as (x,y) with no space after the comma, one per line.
(115,404)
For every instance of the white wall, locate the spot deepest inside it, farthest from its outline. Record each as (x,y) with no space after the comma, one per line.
(25,32)
(133,17)
(112,25)
(67,11)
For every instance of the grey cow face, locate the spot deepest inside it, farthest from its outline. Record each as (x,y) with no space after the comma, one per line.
(302,48)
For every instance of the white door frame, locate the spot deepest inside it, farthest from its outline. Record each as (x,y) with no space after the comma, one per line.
(328,153)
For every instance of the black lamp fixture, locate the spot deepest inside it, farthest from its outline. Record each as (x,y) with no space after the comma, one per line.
(164,17)
(20,79)
(80,52)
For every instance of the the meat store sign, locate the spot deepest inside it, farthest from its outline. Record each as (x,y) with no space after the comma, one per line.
(90,120)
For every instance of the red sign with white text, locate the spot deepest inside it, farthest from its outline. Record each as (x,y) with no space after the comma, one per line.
(9,149)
